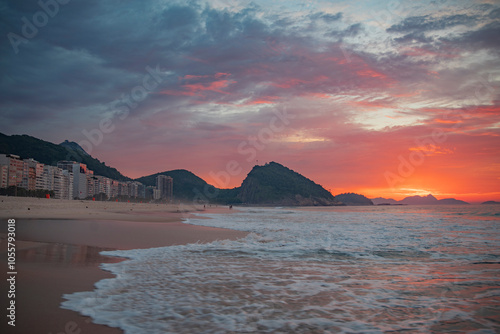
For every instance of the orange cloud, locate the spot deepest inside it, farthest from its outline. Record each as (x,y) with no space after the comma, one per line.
(447,121)
(431,149)
(215,86)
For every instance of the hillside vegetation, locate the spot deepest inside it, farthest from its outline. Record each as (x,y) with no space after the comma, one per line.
(48,153)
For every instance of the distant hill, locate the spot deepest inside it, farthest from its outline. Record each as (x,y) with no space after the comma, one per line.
(272,184)
(490,202)
(275,184)
(186,185)
(74,146)
(451,201)
(353,199)
(48,153)
(419,200)
(381,200)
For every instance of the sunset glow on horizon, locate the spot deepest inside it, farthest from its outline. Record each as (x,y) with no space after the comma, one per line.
(385,100)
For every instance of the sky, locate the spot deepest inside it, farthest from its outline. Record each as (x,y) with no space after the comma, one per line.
(383,98)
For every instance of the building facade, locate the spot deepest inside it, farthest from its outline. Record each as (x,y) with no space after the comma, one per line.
(165,186)
(81,178)
(73,180)
(15,169)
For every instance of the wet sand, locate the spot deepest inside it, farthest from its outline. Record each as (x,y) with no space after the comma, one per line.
(57,252)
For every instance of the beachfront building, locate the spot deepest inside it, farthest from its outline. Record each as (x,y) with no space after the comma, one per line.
(149,192)
(29,177)
(135,189)
(15,169)
(58,180)
(141,190)
(81,176)
(122,189)
(67,185)
(69,180)
(115,188)
(102,185)
(33,175)
(4,171)
(165,185)
(156,194)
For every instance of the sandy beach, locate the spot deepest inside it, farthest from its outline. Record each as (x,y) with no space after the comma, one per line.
(57,252)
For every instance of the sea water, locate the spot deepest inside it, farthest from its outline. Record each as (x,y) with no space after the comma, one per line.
(431,269)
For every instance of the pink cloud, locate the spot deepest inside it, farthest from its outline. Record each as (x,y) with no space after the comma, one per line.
(215,86)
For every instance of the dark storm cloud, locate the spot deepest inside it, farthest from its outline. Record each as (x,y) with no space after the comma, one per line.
(428,23)
(487,37)
(483,30)
(92,53)
(413,37)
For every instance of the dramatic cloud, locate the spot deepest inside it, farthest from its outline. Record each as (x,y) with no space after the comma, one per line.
(344,93)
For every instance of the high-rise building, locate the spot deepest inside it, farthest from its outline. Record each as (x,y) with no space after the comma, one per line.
(165,185)
(115,191)
(15,169)
(4,172)
(102,185)
(58,180)
(133,188)
(67,184)
(81,177)
(69,180)
(32,175)
(123,189)
(156,194)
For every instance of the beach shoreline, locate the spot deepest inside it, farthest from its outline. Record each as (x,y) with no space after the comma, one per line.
(58,245)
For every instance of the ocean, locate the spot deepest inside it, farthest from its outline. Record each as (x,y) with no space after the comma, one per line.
(381,269)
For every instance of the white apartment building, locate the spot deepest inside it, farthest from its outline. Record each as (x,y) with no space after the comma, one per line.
(58,180)
(81,176)
(102,185)
(67,185)
(69,180)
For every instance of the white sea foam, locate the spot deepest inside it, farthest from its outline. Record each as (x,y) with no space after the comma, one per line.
(302,271)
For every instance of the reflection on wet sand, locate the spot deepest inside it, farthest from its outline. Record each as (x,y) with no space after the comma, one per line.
(65,254)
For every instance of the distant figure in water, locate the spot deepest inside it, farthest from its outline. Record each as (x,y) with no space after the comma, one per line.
(230,206)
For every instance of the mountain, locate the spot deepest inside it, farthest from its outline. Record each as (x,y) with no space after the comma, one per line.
(49,153)
(490,202)
(186,186)
(419,200)
(451,201)
(353,199)
(74,146)
(272,184)
(381,200)
(275,184)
